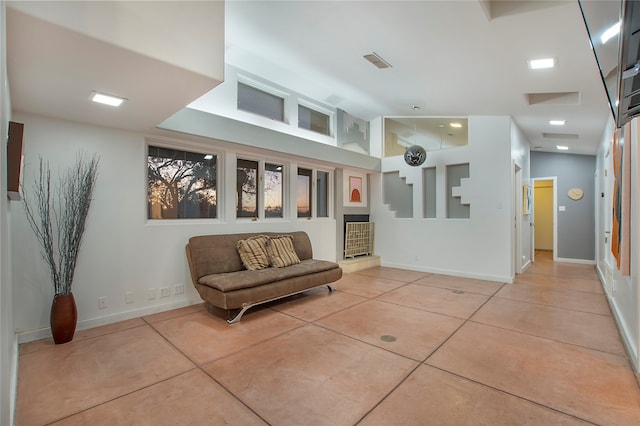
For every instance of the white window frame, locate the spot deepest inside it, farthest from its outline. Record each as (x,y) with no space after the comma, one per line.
(196,149)
(260,187)
(314,191)
(285,96)
(331,113)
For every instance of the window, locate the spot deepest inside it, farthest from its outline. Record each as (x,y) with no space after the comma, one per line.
(313,120)
(247,189)
(322,194)
(431,133)
(260,102)
(273,190)
(304,193)
(181,184)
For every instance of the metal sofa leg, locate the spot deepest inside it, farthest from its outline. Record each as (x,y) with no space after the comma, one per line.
(238,316)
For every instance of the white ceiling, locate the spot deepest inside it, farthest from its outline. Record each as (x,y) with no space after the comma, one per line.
(451,58)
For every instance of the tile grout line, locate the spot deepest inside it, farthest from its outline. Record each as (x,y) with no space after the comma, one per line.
(469,320)
(420,363)
(553,306)
(564,342)
(502,391)
(201,367)
(115,398)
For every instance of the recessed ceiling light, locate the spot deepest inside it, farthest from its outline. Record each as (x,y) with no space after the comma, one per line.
(103,98)
(612,31)
(456,125)
(562,147)
(208,157)
(537,64)
(557,122)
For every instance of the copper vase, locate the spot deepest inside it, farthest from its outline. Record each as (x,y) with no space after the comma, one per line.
(64,317)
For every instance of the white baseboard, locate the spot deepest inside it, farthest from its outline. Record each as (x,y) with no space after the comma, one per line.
(43,333)
(581,261)
(486,277)
(631,350)
(13,396)
(605,275)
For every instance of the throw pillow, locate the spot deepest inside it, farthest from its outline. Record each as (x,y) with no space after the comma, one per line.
(253,252)
(281,252)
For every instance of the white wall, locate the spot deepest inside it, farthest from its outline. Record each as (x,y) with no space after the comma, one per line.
(479,247)
(223,102)
(8,343)
(520,149)
(121,250)
(622,291)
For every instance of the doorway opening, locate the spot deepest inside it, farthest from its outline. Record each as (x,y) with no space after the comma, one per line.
(545,236)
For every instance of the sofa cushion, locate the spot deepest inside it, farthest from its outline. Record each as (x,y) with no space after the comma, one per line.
(281,252)
(253,252)
(231,281)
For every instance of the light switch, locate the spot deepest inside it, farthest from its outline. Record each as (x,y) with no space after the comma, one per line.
(562,208)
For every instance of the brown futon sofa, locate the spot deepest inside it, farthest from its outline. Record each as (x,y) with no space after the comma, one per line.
(223,281)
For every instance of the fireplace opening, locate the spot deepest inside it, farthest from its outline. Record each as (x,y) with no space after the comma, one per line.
(358,236)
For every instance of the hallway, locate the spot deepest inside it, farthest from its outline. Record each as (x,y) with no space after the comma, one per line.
(388,347)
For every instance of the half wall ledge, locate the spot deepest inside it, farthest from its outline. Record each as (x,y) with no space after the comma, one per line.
(359,263)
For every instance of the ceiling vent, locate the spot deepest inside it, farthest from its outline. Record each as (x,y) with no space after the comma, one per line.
(376,60)
(562,136)
(554,98)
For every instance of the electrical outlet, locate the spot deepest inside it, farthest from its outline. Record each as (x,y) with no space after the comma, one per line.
(128,297)
(165,292)
(178,288)
(102,302)
(151,293)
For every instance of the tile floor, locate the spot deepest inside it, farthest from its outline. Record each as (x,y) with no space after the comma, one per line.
(388,347)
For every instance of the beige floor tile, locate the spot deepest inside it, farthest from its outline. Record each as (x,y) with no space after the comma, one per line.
(583,301)
(580,328)
(317,303)
(453,303)
(311,376)
(204,337)
(546,266)
(192,398)
(79,335)
(434,397)
(174,313)
(396,274)
(592,385)
(65,379)
(365,285)
(417,333)
(470,285)
(561,283)
(318,358)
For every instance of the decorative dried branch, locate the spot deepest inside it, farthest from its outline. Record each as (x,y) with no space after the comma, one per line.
(58,219)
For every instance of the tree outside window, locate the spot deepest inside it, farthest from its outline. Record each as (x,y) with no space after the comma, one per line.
(304,192)
(246,188)
(273,190)
(181,184)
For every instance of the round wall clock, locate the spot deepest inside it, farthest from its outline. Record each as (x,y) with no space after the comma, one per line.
(575,193)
